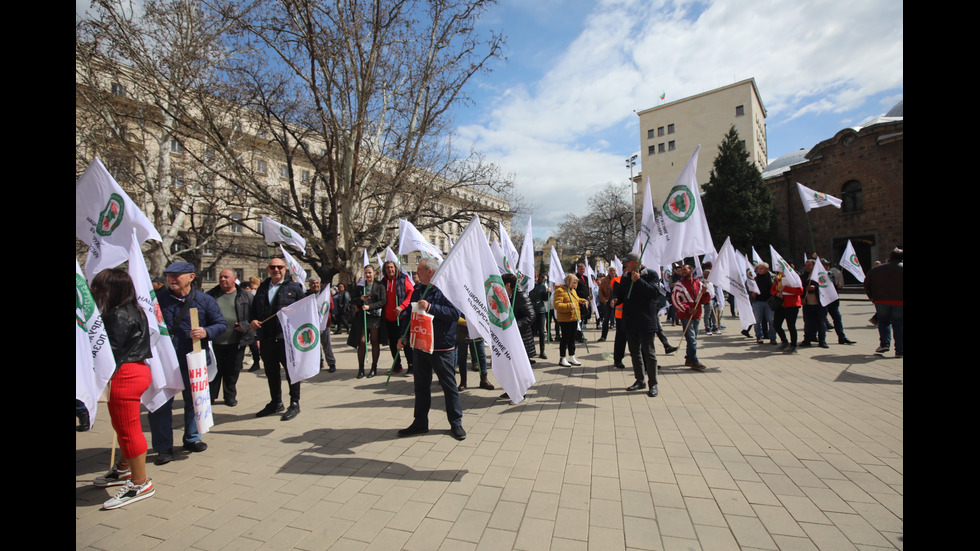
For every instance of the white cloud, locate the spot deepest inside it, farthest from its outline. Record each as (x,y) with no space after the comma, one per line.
(557,133)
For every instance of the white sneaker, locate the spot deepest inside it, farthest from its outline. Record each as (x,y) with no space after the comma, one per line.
(573,361)
(113,477)
(130,493)
(563,362)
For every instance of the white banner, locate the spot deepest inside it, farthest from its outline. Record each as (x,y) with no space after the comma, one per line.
(525,266)
(105,218)
(94,363)
(825,287)
(297,271)
(410,239)
(278,233)
(197,371)
(728,275)
(301,330)
(851,263)
(816,199)
(468,277)
(790,277)
(682,229)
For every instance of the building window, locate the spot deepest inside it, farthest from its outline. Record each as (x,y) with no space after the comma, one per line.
(118,89)
(208,274)
(739,110)
(660,148)
(670,128)
(370,213)
(743,144)
(176,147)
(284,197)
(239,274)
(260,227)
(236,223)
(660,131)
(306,176)
(651,134)
(283,171)
(305,201)
(177,178)
(671,145)
(261,167)
(209,249)
(851,197)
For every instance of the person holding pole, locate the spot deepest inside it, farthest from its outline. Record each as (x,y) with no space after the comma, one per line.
(276,292)
(369,301)
(175,304)
(688,297)
(398,294)
(129,337)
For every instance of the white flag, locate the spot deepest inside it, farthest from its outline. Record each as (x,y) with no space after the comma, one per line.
(165,380)
(525,266)
(299,274)
(727,274)
(278,233)
(756,259)
(510,251)
(323,307)
(556,274)
(790,277)
(410,239)
(851,263)
(647,234)
(498,256)
(682,229)
(816,199)
(468,277)
(105,218)
(590,278)
(618,264)
(825,287)
(94,363)
(301,330)
(746,267)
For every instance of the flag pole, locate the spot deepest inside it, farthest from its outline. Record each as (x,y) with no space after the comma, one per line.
(696,301)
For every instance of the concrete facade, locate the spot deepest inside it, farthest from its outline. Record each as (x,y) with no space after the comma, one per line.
(670,132)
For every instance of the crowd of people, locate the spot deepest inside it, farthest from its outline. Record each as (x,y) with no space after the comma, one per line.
(241,316)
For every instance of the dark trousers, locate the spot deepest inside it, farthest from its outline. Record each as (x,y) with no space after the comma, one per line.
(274,358)
(443,364)
(789,314)
(567,343)
(395,331)
(619,345)
(643,356)
(229,358)
(814,323)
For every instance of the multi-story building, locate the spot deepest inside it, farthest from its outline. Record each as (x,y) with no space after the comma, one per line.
(670,132)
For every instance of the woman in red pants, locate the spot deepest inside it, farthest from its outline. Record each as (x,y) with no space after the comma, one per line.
(129,336)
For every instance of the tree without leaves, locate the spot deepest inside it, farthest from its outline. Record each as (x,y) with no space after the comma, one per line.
(736,201)
(359,95)
(606,228)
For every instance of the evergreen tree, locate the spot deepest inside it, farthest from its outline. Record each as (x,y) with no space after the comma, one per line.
(737,202)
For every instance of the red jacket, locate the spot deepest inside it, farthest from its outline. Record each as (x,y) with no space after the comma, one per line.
(685,294)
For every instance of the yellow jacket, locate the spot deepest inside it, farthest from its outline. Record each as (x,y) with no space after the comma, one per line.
(567,304)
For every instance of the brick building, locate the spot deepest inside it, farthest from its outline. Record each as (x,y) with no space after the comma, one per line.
(864,167)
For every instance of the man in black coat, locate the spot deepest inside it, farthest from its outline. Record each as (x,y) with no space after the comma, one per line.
(638,292)
(273,294)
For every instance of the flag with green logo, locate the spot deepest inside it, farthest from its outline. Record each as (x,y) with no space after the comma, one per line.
(94,363)
(105,218)
(681,227)
(278,233)
(471,281)
(825,286)
(728,274)
(301,330)
(851,263)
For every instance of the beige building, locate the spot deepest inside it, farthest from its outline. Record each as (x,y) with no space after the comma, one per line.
(670,132)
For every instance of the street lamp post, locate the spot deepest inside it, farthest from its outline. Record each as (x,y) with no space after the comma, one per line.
(630,163)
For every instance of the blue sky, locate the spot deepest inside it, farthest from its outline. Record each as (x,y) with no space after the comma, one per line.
(558,112)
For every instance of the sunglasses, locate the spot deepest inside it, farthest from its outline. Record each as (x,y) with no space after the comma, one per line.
(277,267)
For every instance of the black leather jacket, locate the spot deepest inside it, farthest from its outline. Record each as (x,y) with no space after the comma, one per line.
(129,334)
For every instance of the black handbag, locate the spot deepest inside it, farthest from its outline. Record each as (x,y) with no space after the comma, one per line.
(775,303)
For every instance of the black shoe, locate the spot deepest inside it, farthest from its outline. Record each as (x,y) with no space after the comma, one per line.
(164,457)
(823,345)
(543,356)
(806,344)
(255,367)
(638,385)
(372,373)
(670,349)
(291,413)
(193,447)
(601,339)
(793,349)
(458,432)
(619,365)
(84,423)
(653,392)
(271,408)
(360,373)
(746,333)
(412,431)
(231,403)
(845,340)
(398,369)
(504,396)
(333,368)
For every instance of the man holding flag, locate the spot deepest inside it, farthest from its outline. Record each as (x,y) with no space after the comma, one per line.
(175,303)
(442,361)
(272,295)
(639,298)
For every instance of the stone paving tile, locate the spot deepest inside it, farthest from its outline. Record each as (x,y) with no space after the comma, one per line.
(762,451)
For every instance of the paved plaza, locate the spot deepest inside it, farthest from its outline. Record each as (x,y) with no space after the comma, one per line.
(762,450)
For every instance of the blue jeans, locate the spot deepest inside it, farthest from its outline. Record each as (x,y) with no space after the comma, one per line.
(691,336)
(162,420)
(891,318)
(764,328)
(481,355)
(443,364)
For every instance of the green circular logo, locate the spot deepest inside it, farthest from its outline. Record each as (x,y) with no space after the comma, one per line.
(84,302)
(854,260)
(822,280)
(325,308)
(306,337)
(680,204)
(498,304)
(285,232)
(111,216)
